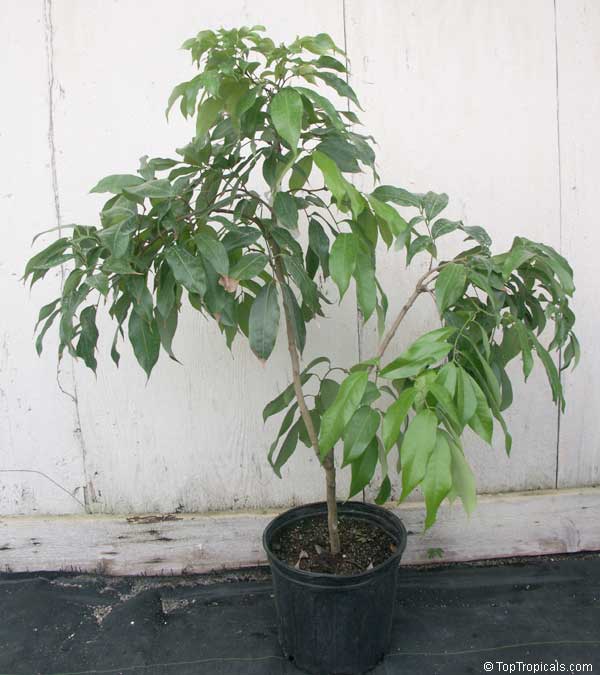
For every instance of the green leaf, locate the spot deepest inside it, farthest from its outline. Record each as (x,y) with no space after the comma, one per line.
(341,152)
(359,432)
(389,193)
(116,238)
(551,371)
(88,338)
(332,176)
(328,390)
(319,243)
(450,285)
(286,210)
(145,340)
(300,173)
(366,287)
(166,330)
(417,446)
(213,252)
(323,103)
(463,481)
(395,416)
(481,422)
(338,415)
(438,478)
(282,401)
(425,351)
(142,298)
(385,491)
(116,183)
(340,86)
(286,110)
(446,406)
(364,468)
(525,347)
(342,260)
(152,189)
(187,269)
(208,113)
(297,319)
(264,321)
(466,400)
(248,266)
(287,448)
(434,203)
(444,226)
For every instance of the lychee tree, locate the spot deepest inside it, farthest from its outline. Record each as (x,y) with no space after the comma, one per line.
(217,227)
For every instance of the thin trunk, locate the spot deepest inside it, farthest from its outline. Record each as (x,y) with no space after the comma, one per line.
(328,462)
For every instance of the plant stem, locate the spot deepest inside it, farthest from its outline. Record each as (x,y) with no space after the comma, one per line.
(419,288)
(328,462)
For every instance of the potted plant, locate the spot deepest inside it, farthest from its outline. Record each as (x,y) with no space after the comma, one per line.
(246,225)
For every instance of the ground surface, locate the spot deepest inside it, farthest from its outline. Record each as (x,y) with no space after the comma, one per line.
(449,620)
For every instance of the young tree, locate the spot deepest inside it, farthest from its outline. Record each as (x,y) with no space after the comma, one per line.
(217,227)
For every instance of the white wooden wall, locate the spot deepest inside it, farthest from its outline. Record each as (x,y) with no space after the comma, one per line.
(496,103)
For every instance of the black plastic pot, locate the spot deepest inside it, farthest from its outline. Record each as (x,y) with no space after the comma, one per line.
(332,624)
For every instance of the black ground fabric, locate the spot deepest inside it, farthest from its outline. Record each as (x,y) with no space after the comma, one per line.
(456,619)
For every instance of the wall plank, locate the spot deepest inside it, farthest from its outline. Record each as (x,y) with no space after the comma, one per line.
(461,98)
(518,524)
(38,425)
(578,27)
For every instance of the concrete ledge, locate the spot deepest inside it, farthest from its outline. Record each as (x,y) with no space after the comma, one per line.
(504,525)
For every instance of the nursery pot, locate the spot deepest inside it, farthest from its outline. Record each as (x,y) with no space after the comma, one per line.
(330,624)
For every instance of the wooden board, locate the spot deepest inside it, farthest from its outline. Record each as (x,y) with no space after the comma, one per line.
(518,524)
(578,28)
(461,98)
(39,432)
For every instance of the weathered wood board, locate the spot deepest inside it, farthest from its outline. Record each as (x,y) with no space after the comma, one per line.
(578,42)
(517,524)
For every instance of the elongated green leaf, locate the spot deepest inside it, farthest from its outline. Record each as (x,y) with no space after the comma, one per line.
(167,327)
(187,269)
(424,351)
(264,321)
(340,86)
(208,113)
(285,110)
(282,401)
(481,421)
(438,478)
(450,285)
(434,203)
(395,416)
(335,182)
(145,340)
(248,266)
(551,371)
(417,446)
(213,252)
(287,448)
(338,415)
(466,400)
(300,173)
(359,432)
(342,260)
(88,338)
(463,481)
(396,195)
(116,183)
(286,210)
(153,189)
(319,243)
(363,469)
(364,274)
(324,103)
(446,406)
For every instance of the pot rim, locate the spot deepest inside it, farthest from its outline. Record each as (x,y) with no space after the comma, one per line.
(377,514)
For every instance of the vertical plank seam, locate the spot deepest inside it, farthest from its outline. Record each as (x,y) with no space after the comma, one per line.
(560,221)
(49,44)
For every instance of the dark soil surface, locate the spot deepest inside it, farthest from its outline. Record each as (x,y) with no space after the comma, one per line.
(305,545)
(448,621)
